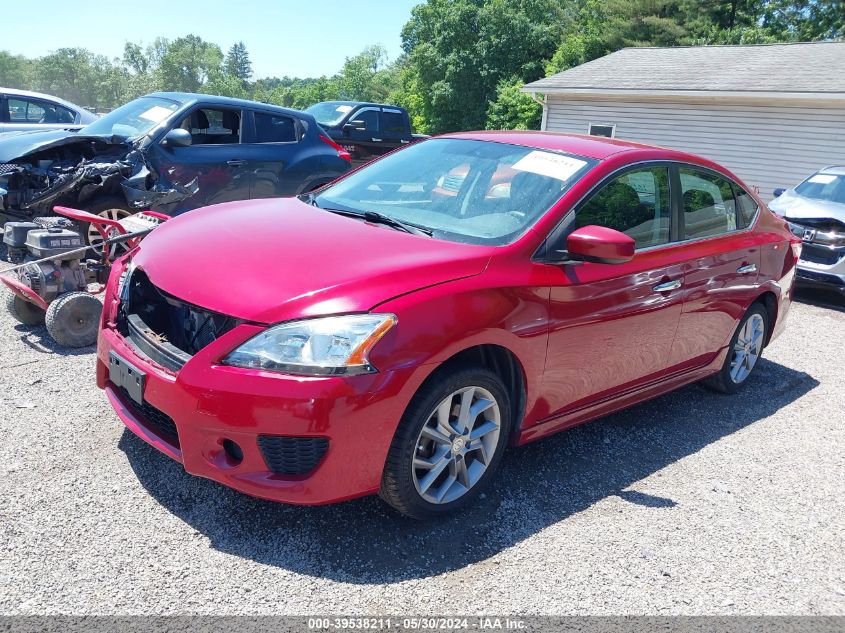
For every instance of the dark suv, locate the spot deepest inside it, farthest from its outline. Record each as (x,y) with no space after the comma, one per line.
(169,152)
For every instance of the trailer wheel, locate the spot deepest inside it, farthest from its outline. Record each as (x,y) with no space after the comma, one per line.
(74,318)
(24,311)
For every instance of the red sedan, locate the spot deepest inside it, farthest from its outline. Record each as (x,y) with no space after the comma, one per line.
(396,331)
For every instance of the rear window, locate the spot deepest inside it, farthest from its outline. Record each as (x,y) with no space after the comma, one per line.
(272,128)
(392,122)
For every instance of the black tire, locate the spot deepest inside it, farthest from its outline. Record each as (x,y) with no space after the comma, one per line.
(722,381)
(397,484)
(24,311)
(73,319)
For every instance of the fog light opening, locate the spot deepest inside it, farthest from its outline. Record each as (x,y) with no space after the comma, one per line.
(233,452)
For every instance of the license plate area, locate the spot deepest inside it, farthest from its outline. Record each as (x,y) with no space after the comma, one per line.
(124,374)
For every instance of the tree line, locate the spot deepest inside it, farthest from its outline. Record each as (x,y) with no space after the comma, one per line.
(463,61)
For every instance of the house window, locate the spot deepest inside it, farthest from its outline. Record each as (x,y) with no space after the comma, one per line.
(602,129)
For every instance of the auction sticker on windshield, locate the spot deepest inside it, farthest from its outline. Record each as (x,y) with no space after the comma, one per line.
(551,165)
(155,114)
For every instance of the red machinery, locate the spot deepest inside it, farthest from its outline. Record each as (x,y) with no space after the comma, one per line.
(52,271)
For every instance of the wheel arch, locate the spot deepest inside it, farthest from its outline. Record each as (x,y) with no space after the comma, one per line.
(503,362)
(770,302)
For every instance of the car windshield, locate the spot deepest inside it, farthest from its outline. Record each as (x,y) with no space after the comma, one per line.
(133,119)
(478,192)
(829,187)
(329,114)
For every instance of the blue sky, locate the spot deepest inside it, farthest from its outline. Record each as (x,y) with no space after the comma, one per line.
(304,38)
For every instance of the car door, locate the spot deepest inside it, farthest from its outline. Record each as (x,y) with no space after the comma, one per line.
(278,155)
(612,325)
(720,271)
(394,130)
(362,136)
(212,165)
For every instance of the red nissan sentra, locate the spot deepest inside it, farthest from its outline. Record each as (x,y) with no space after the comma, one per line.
(395,331)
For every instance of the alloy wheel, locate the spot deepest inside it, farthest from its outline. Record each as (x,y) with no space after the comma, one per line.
(746,350)
(456,445)
(94,237)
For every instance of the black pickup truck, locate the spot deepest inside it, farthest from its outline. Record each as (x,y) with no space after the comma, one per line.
(365,130)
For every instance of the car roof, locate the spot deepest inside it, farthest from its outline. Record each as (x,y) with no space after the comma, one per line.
(14,92)
(837,170)
(358,103)
(187,98)
(596,147)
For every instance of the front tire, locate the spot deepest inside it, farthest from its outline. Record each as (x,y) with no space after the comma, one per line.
(744,352)
(448,445)
(110,207)
(73,319)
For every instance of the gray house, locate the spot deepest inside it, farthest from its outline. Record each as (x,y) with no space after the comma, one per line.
(772,114)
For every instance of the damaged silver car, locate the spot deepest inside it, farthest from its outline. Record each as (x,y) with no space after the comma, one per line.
(167,152)
(815,211)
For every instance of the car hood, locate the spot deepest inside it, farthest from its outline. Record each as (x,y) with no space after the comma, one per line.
(795,207)
(278,259)
(15,145)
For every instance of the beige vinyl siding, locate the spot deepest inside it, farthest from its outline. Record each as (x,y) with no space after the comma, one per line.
(767,146)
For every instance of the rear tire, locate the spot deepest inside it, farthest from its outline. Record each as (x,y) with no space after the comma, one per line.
(448,445)
(743,353)
(73,319)
(24,311)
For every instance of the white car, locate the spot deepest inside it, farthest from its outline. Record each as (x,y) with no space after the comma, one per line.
(22,110)
(815,210)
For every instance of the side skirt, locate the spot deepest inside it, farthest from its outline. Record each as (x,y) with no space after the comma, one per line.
(611,404)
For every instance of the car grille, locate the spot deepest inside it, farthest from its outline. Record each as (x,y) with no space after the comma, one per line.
(169,324)
(152,417)
(819,255)
(292,455)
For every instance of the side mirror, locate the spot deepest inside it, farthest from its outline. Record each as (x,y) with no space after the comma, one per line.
(600,244)
(779,192)
(177,137)
(358,125)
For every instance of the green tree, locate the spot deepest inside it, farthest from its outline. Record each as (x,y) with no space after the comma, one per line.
(187,63)
(15,71)
(460,50)
(237,62)
(512,109)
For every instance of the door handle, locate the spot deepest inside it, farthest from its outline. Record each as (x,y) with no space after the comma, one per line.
(376,140)
(666,286)
(236,162)
(748,268)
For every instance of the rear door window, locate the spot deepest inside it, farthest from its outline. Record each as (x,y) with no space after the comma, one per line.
(36,111)
(393,122)
(708,206)
(273,128)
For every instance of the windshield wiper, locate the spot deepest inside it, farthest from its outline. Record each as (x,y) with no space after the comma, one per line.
(378,218)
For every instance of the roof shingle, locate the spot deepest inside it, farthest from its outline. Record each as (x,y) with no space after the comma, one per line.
(817,67)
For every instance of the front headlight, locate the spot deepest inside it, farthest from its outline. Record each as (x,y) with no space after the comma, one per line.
(328,346)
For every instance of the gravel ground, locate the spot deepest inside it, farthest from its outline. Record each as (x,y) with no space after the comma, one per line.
(694,503)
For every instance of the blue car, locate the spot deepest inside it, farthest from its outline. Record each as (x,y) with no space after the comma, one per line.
(168,152)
